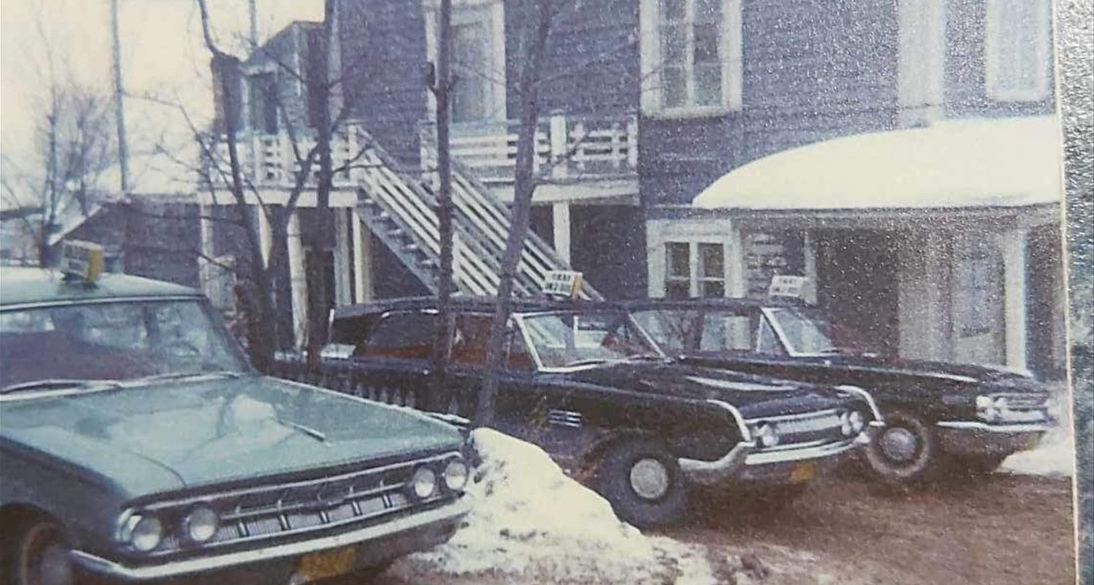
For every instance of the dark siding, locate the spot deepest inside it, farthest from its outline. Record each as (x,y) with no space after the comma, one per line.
(966,88)
(592,60)
(608,244)
(383,56)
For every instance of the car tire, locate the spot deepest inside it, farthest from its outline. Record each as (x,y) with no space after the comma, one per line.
(36,552)
(904,452)
(642,481)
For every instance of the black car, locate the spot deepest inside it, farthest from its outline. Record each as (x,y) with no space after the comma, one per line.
(967,416)
(589,386)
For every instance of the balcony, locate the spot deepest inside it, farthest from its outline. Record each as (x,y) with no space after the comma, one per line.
(576,157)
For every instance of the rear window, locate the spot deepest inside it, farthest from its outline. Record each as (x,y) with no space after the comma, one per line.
(402,335)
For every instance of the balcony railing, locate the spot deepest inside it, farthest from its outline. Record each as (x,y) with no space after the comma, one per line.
(269,160)
(566,147)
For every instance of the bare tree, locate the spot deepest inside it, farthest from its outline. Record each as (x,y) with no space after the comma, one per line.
(538,31)
(73,148)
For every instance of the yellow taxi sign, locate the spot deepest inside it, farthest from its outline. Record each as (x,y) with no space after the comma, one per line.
(83,260)
(562,283)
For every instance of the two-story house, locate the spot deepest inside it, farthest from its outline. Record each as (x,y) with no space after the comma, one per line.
(696,147)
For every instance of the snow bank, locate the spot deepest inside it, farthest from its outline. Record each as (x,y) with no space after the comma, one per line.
(1055,456)
(531,520)
(532,524)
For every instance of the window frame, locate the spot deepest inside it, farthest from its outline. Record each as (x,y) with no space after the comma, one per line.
(994,28)
(492,14)
(695,276)
(730,49)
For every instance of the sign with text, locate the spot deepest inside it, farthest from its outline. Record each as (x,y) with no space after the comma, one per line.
(562,283)
(83,260)
(786,286)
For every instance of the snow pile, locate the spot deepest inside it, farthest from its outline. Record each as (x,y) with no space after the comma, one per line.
(531,521)
(1055,455)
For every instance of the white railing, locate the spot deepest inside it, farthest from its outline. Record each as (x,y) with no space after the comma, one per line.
(269,160)
(567,147)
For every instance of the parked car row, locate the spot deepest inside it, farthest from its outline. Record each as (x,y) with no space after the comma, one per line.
(138,445)
(652,398)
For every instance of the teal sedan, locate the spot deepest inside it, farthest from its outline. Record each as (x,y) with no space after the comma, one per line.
(138,445)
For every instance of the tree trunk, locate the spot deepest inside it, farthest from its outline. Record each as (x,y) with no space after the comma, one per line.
(439,397)
(524,187)
(318,302)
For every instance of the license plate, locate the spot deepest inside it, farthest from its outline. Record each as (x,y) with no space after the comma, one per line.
(327,563)
(804,471)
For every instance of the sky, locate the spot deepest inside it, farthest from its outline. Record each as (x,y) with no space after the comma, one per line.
(163,59)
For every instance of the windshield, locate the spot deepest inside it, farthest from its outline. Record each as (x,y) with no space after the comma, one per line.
(114,341)
(562,340)
(804,333)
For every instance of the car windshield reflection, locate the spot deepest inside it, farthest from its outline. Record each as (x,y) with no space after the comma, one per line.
(117,341)
(570,340)
(804,334)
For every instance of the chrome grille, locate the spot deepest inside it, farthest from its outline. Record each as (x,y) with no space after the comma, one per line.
(1025,401)
(292,508)
(808,428)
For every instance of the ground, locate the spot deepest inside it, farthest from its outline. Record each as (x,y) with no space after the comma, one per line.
(533,525)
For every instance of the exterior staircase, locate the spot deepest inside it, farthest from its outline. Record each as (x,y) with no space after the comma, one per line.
(402,212)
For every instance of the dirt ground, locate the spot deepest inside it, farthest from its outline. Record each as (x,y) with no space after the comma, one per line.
(999,530)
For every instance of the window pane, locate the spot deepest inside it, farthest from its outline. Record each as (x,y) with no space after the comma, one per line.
(674,91)
(708,86)
(708,10)
(674,45)
(713,289)
(471,67)
(678,259)
(405,335)
(677,289)
(706,44)
(711,260)
(673,10)
(726,331)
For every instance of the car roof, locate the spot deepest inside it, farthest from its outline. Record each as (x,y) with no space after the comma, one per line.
(27,286)
(463,303)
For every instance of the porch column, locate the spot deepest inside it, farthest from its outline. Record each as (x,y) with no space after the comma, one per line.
(362,258)
(265,236)
(297,280)
(736,272)
(561,224)
(205,267)
(809,261)
(1013,246)
(342,291)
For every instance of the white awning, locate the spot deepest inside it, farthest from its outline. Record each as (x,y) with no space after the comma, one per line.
(997,163)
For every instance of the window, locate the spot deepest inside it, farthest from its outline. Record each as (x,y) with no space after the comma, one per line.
(695,269)
(263,102)
(1018,54)
(478,58)
(978,282)
(691,55)
(402,335)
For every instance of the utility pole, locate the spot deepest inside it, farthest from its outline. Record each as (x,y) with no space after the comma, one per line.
(441,88)
(119,93)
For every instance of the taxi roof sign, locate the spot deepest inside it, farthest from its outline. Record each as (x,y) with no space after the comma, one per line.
(562,283)
(783,285)
(82,260)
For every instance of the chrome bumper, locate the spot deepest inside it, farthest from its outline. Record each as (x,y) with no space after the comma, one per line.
(744,463)
(970,438)
(426,529)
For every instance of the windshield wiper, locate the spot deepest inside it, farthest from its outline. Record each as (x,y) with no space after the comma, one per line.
(60,384)
(586,362)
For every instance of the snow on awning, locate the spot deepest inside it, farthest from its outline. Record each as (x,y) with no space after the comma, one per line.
(998,163)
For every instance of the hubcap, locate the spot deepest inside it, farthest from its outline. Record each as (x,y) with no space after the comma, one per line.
(56,568)
(649,479)
(899,444)
(44,558)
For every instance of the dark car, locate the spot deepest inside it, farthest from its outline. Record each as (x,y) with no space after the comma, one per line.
(584,382)
(139,445)
(970,417)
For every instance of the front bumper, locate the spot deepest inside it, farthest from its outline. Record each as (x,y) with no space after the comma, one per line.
(278,563)
(745,464)
(968,438)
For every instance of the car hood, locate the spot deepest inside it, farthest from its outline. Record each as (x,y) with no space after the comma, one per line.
(183,434)
(960,372)
(752,395)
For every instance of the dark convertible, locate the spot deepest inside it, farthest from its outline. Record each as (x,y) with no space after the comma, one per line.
(584,382)
(969,417)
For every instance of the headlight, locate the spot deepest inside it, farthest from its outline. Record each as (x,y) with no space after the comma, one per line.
(1001,404)
(857,422)
(200,524)
(455,475)
(143,533)
(424,482)
(767,435)
(845,424)
(985,408)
